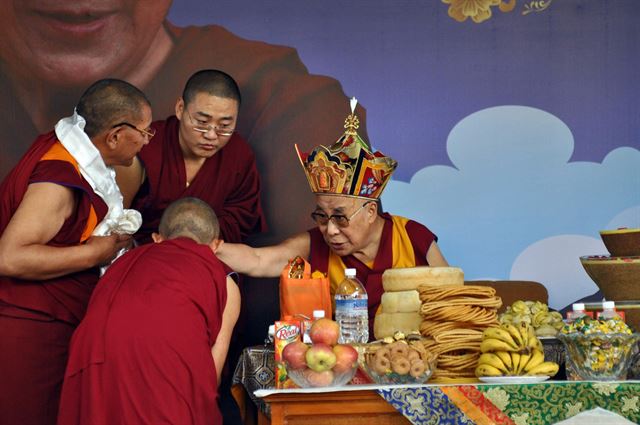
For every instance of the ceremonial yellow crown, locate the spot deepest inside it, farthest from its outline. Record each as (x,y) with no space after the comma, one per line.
(348,167)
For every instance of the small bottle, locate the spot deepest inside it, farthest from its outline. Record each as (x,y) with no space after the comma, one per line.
(608,311)
(317,314)
(577,311)
(352,312)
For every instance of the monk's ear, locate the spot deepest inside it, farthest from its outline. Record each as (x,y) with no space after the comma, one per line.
(215,245)
(113,137)
(157,237)
(179,108)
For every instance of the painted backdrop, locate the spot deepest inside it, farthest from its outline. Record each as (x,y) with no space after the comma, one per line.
(516,126)
(515,123)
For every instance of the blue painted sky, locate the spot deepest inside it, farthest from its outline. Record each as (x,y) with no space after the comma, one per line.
(512,185)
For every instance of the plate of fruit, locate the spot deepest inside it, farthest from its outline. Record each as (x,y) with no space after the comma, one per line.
(398,362)
(512,354)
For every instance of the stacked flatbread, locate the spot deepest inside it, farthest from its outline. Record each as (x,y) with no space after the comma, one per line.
(400,303)
(454,317)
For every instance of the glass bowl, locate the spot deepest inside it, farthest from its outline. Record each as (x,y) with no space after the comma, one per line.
(599,356)
(389,376)
(307,378)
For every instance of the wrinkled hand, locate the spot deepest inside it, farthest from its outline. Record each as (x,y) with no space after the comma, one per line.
(106,247)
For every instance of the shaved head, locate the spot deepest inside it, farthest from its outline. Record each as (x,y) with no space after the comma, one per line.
(212,82)
(190,218)
(109,102)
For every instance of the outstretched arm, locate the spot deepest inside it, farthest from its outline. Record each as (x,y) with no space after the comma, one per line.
(435,257)
(229,318)
(267,261)
(24,252)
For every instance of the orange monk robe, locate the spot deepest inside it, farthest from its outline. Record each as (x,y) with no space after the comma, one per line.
(37,318)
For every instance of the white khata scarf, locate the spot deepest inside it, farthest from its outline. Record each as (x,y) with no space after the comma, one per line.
(70,132)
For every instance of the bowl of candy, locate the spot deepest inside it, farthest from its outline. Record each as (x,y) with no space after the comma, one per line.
(399,362)
(598,350)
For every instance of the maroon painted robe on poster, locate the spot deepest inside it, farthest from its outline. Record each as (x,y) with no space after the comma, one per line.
(37,318)
(142,355)
(228,182)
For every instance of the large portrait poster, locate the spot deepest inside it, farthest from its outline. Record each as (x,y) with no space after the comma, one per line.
(516,123)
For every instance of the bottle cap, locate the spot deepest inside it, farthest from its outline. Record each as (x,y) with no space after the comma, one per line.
(350,272)
(608,305)
(578,307)
(318,314)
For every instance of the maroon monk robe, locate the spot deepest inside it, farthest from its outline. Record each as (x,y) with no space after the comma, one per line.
(228,182)
(37,318)
(421,239)
(142,355)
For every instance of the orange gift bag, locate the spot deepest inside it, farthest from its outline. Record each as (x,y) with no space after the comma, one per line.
(300,293)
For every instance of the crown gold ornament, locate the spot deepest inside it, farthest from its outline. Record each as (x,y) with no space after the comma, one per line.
(348,167)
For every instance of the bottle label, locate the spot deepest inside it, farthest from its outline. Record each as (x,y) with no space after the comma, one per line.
(351,305)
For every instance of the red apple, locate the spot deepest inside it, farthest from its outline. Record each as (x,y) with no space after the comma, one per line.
(320,357)
(325,331)
(346,358)
(318,379)
(294,355)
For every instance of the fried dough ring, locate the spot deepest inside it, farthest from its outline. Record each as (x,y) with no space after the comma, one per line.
(399,349)
(383,352)
(400,365)
(381,365)
(417,368)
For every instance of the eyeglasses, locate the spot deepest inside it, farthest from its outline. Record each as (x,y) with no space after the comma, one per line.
(339,220)
(148,132)
(205,128)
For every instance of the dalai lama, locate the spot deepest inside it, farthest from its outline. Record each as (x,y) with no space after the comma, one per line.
(347,179)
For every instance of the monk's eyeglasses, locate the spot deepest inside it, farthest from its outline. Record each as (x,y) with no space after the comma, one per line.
(223,131)
(339,220)
(147,132)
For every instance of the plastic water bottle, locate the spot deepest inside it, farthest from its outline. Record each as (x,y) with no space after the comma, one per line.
(609,311)
(577,311)
(352,310)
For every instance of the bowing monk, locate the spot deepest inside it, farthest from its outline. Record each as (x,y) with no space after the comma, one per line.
(198,153)
(61,215)
(352,231)
(157,330)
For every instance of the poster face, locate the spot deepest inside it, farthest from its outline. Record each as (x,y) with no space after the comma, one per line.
(515,124)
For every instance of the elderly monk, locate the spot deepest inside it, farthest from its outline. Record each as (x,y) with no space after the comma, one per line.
(198,153)
(157,330)
(352,231)
(61,193)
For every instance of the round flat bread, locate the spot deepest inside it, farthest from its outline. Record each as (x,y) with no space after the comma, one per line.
(408,279)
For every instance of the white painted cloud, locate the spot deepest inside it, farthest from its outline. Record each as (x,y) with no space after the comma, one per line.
(512,186)
(629,218)
(566,280)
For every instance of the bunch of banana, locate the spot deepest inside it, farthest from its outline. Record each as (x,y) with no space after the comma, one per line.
(511,350)
(534,313)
